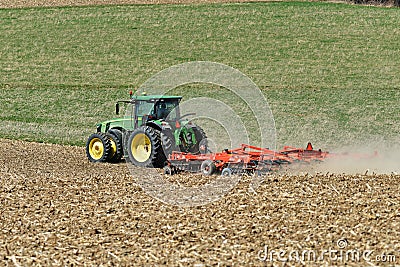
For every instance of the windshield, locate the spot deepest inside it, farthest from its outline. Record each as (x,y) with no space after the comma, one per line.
(144,108)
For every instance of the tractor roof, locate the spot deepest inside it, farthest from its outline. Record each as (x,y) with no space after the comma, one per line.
(155,97)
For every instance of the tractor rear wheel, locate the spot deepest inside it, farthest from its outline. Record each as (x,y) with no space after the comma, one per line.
(115,137)
(201,145)
(197,146)
(98,147)
(145,148)
(167,142)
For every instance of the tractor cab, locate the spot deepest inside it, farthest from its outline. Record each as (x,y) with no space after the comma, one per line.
(153,108)
(165,108)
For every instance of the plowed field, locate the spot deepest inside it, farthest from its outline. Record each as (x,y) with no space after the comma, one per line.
(59,209)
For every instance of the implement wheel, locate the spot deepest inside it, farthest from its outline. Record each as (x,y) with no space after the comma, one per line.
(145,149)
(226,172)
(207,167)
(98,147)
(168,170)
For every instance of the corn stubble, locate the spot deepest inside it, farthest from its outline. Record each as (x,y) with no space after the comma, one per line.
(59,209)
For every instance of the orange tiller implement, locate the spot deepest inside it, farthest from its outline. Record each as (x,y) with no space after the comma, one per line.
(246,159)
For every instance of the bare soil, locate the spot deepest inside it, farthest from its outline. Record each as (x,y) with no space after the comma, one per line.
(59,209)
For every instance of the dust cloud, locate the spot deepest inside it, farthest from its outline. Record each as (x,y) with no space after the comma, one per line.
(369,159)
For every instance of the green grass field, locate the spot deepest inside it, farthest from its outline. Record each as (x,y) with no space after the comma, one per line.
(330,71)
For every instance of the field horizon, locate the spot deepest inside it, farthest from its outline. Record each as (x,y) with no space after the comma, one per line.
(70,3)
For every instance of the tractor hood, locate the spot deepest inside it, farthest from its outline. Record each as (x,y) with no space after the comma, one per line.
(120,123)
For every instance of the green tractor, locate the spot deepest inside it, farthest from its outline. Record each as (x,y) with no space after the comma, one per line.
(151,129)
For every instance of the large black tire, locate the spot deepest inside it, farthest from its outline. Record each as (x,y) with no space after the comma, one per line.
(115,137)
(145,148)
(98,147)
(168,143)
(201,145)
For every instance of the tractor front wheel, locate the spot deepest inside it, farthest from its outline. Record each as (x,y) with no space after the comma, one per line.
(98,147)
(145,148)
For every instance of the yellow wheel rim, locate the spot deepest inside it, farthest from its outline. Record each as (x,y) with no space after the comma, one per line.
(96,148)
(113,148)
(141,147)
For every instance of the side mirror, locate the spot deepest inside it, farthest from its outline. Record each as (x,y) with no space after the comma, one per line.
(117,108)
